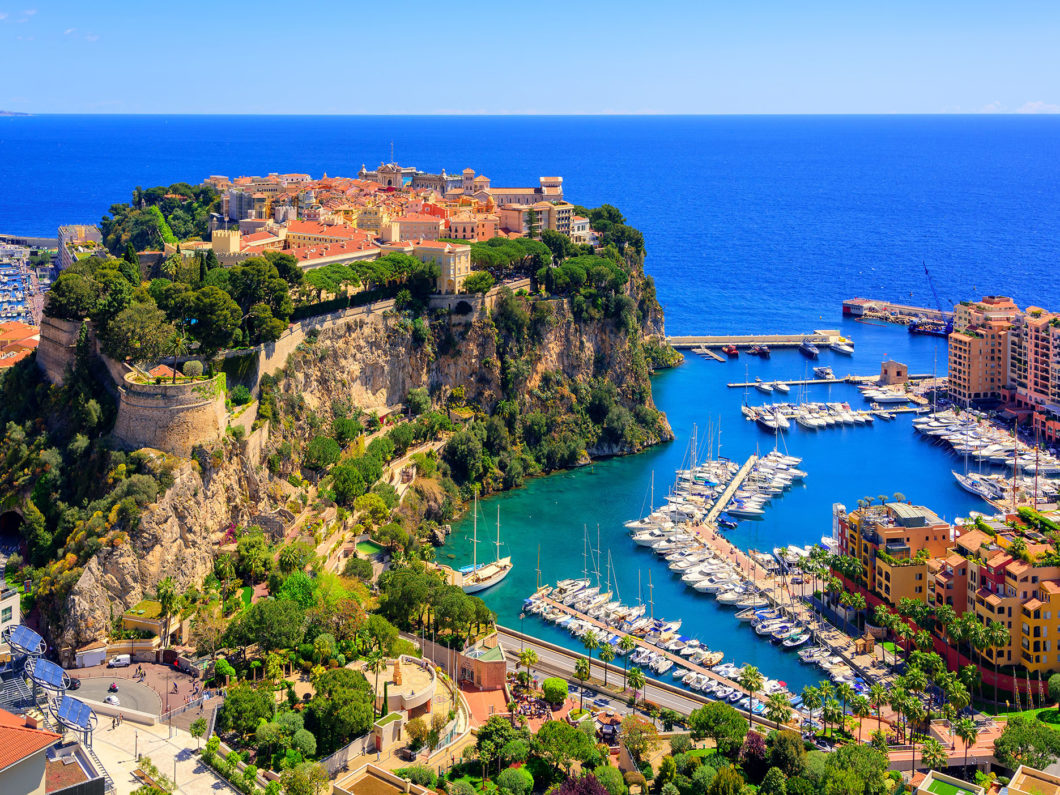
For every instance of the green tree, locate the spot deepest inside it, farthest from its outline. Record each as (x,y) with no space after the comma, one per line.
(516,780)
(341,710)
(217,318)
(786,751)
(244,707)
(855,769)
(478,282)
(774,783)
(308,778)
(139,332)
(418,401)
(271,623)
(968,731)
(560,744)
(197,730)
(640,737)
(636,680)
(933,755)
(321,452)
(1027,741)
(721,723)
(727,781)
(626,644)
(166,593)
(554,690)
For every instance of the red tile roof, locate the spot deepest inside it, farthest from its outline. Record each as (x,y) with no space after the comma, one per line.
(18,741)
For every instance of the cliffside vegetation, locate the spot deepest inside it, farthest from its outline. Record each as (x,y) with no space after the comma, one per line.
(74,493)
(158,216)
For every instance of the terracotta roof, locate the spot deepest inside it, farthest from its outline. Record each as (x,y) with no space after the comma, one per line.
(1050,586)
(1032,604)
(439,244)
(15,330)
(18,741)
(1000,559)
(329,250)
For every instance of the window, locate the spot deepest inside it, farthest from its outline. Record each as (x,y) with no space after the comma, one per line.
(5,616)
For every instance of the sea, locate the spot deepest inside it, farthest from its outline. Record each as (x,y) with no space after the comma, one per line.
(756,224)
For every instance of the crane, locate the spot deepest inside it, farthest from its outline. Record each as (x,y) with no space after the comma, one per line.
(940,328)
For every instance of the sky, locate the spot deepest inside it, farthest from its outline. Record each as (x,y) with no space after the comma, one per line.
(581,57)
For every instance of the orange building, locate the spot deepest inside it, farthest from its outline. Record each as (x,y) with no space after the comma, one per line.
(979,349)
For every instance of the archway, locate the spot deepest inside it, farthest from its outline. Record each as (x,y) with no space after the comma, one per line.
(10,532)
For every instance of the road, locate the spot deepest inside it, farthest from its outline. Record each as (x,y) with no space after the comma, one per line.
(130,694)
(561,663)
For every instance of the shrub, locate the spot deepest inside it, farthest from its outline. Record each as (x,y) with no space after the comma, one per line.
(321,451)
(461,788)
(555,690)
(774,782)
(634,778)
(680,744)
(192,368)
(240,396)
(359,568)
(418,774)
(516,780)
(611,779)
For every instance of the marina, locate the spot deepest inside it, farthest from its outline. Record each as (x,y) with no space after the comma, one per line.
(550,512)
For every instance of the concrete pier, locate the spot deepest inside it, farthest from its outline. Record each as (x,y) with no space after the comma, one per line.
(819,337)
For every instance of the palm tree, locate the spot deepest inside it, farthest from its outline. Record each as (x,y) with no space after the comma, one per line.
(933,754)
(751,680)
(832,714)
(581,673)
(996,637)
(626,645)
(970,677)
(528,659)
(607,655)
(914,715)
(945,617)
(166,593)
(811,698)
(858,603)
(877,698)
(178,346)
(377,664)
(846,694)
(636,680)
(861,709)
(968,730)
(778,709)
(591,642)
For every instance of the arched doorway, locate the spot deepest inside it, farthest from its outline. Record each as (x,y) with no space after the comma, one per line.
(10,532)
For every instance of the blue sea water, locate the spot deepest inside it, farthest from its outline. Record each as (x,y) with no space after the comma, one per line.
(753,224)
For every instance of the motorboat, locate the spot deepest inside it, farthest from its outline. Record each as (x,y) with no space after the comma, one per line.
(823,372)
(731,351)
(763,387)
(842,347)
(781,387)
(808,349)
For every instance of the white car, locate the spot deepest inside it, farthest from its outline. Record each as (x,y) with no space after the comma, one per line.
(112,700)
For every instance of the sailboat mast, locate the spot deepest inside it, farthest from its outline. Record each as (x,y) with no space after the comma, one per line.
(651,596)
(498,533)
(585,552)
(474,534)
(539,567)
(596,557)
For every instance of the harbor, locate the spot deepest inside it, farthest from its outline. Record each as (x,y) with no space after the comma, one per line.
(824,337)
(549,513)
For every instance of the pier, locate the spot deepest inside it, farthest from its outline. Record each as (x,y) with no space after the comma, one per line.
(892,312)
(709,353)
(726,494)
(820,337)
(847,379)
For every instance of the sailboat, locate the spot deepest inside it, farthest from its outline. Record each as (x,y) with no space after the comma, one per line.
(478,577)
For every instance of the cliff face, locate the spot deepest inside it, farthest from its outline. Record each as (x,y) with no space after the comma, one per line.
(369,363)
(176,537)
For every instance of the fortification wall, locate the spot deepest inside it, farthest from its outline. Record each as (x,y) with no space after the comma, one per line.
(58,347)
(170,417)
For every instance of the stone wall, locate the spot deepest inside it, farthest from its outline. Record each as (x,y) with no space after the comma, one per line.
(57,348)
(170,417)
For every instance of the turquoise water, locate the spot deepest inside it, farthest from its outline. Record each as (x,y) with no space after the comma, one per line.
(843,464)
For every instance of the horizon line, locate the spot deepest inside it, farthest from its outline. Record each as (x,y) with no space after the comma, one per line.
(13,114)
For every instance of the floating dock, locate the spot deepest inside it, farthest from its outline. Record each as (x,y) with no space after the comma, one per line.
(820,337)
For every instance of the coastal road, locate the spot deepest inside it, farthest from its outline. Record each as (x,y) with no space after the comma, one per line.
(554,661)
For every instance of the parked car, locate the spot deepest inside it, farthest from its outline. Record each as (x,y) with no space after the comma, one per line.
(119,661)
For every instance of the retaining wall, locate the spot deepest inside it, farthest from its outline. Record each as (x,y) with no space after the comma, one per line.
(57,348)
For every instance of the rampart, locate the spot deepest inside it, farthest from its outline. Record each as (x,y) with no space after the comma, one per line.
(171,417)
(58,347)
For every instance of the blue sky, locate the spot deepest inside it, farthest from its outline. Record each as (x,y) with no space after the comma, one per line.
(408,56)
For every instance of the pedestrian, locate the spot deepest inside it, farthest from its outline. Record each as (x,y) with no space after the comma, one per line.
(113,723)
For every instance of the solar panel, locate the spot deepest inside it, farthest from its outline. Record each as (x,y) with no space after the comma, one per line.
(25,639)
(49,674)
(75,713)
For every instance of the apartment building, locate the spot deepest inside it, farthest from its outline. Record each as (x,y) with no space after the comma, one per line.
(979,349)
(1034,369)
(895,542)
(518,218)
(76,240)
(454,259)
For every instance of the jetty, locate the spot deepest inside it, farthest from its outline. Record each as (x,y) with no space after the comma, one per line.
(726,494)
(890,312)
(709,353)
(847,379)
(820,337)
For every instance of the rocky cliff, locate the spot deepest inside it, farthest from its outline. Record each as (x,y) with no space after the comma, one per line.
(371,363)
(176,537)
